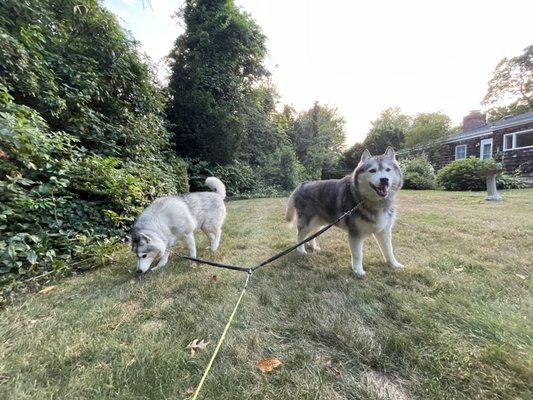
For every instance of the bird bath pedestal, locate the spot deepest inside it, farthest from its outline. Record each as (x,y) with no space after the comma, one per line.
(490,176)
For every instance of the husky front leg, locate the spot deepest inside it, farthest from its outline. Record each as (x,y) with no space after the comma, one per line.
(356,248)
(384,239)
(163,261)
(191,244)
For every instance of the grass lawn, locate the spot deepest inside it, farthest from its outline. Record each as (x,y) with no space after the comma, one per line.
(456,324)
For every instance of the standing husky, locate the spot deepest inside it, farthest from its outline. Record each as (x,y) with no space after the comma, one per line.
(173,218)
(372,185)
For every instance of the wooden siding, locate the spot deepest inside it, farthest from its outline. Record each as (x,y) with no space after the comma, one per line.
(510,159)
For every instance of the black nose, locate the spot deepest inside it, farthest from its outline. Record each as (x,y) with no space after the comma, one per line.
(139,271)
(384,180)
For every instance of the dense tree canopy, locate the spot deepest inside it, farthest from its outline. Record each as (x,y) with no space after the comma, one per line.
(512,81)
(427,128)
(71,61)
(387,130)
(215,67)
(318,137)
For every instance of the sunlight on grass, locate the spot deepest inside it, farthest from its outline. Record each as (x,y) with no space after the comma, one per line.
(454,325)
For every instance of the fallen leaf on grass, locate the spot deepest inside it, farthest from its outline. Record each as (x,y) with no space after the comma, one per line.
(520,276)
(268,364)
(214,279)
(196,345)
(47,289)
(190,390)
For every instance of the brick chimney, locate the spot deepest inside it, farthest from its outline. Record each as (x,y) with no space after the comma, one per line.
(474,120)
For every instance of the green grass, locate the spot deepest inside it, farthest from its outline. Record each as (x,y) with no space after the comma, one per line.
(456,324)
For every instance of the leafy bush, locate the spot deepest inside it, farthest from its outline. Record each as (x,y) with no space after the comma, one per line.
(507,181)
(57,201)
(83,143)
(418,173)
(238,177)
(467,174)
(281,169)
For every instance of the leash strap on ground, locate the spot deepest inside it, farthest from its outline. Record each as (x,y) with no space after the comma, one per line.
(219,344)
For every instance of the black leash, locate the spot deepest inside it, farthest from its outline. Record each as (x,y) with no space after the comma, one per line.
(249,271)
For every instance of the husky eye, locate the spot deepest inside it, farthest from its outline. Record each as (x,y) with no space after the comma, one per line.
(372,170)
(388,170)
(144,255)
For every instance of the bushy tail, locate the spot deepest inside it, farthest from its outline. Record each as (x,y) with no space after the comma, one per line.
(290,212)
(216,185)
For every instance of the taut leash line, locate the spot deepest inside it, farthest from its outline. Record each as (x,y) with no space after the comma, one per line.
(219,344)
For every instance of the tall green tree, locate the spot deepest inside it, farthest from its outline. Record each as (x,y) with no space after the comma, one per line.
(512,80)
(427,128)
(71,62)
(216,65)
(387,130)
(318,137)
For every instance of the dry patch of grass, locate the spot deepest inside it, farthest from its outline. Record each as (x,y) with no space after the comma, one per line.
(456,324)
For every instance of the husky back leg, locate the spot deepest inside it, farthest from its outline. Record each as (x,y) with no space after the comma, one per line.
(214,238)
(303,232)
(314,245)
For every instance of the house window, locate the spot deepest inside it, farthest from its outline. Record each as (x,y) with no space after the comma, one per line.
(485,149)
(518,140)
(460,152)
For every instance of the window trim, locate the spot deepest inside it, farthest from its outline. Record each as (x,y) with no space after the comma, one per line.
(466,155)
(514,140)
(483,142)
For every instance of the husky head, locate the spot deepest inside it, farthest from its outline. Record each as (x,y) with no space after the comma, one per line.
(147,248)
(378,177)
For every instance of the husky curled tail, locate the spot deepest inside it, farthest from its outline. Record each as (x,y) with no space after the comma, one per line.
(216,185)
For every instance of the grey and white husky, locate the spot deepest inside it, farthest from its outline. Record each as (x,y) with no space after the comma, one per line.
(373,185)
(177,218)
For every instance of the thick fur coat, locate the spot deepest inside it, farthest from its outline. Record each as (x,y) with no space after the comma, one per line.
(372,185)
(177,218)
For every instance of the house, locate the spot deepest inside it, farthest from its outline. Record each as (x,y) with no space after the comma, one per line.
(509,141)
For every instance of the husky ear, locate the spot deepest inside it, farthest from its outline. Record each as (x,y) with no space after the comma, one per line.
(389,153)
(145,237)
(365,156)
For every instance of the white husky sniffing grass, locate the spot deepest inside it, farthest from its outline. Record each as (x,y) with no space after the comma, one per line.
(177,218)
(372,185)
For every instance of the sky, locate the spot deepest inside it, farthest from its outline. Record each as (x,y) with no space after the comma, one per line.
(364,56)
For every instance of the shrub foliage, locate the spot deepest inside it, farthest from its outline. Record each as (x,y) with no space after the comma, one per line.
(83,143)
(468,174)
(418,173)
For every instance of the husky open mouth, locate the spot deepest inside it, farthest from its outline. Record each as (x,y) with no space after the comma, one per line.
(381,190)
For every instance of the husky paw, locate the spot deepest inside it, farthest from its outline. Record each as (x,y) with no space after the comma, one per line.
(359,273)
(303,252)
(396,265)
(316,249)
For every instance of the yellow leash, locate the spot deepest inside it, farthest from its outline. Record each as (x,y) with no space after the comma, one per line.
(219,344)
